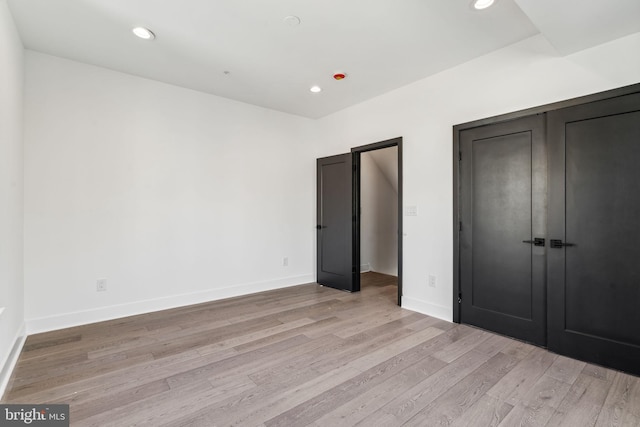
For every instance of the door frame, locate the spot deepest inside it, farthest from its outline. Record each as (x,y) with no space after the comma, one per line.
(457,129)
(356,152)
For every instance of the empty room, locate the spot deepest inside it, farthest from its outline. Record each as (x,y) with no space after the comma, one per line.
(327,213)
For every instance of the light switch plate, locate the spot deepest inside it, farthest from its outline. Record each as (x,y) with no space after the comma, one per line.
(411,211)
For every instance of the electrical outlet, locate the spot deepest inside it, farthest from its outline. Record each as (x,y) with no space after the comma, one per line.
(285,261)
(432,281)
(101,285)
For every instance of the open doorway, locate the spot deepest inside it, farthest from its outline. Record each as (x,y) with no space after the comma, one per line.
(339,211)
(378,204)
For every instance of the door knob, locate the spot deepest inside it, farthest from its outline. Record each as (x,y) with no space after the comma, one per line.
(557,244)
(537,241)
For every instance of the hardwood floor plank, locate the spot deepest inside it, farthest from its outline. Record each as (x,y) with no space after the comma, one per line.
(518,349)
(582,404)
(251,367)
(121,380)
(316,311)
(166,406)
(493,345)
(565,369)
(241,338)
(225,365)
(599,372)
(539,404)
(266,401)
(306,330)
(306,309)
(461,397)
(620,397)
(30,369)
(368,401)
(517,383)
(342,320)
(487,411)
(406,405)
(199,339)
(296,397)
(311,355)
(376,319)
(424,323)
(21,392)
(373,358)
(48,343)
(375,367)
(340,353)
(129,396)
(95,340)
(454,350)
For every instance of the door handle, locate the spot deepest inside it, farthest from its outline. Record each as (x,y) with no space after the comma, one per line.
(557,244)
(320,227)
(537,241)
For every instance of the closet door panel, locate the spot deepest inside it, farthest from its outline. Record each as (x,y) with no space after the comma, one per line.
(594,273)
(503,188)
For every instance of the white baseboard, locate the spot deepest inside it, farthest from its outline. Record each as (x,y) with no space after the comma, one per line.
(364,268)
(6,369)
(433,310)
(67,320)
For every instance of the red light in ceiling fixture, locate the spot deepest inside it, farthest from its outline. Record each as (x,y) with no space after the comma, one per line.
(339,76)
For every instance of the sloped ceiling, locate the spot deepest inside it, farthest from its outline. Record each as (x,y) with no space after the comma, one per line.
(573,25)
(387,161)
(246,50)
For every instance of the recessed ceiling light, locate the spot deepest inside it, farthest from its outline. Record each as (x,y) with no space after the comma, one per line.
(292,20)
(315,89)
(482,4)
(144,33)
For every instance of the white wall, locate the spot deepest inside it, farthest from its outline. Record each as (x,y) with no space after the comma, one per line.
(524,75)
(174,196)
(11,193)
(379,217)
(178,197)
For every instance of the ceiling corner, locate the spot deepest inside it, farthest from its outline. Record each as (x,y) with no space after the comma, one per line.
(574,25)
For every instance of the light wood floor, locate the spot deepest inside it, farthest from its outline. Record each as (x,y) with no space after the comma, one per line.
(310,355)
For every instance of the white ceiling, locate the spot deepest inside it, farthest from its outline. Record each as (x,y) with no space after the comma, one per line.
(573,25)
(380,44)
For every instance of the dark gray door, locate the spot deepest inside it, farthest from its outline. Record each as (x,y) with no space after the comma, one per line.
(502,213)
(335,266)
(594,284)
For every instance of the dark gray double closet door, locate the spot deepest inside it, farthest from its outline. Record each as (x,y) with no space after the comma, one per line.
(550,230)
